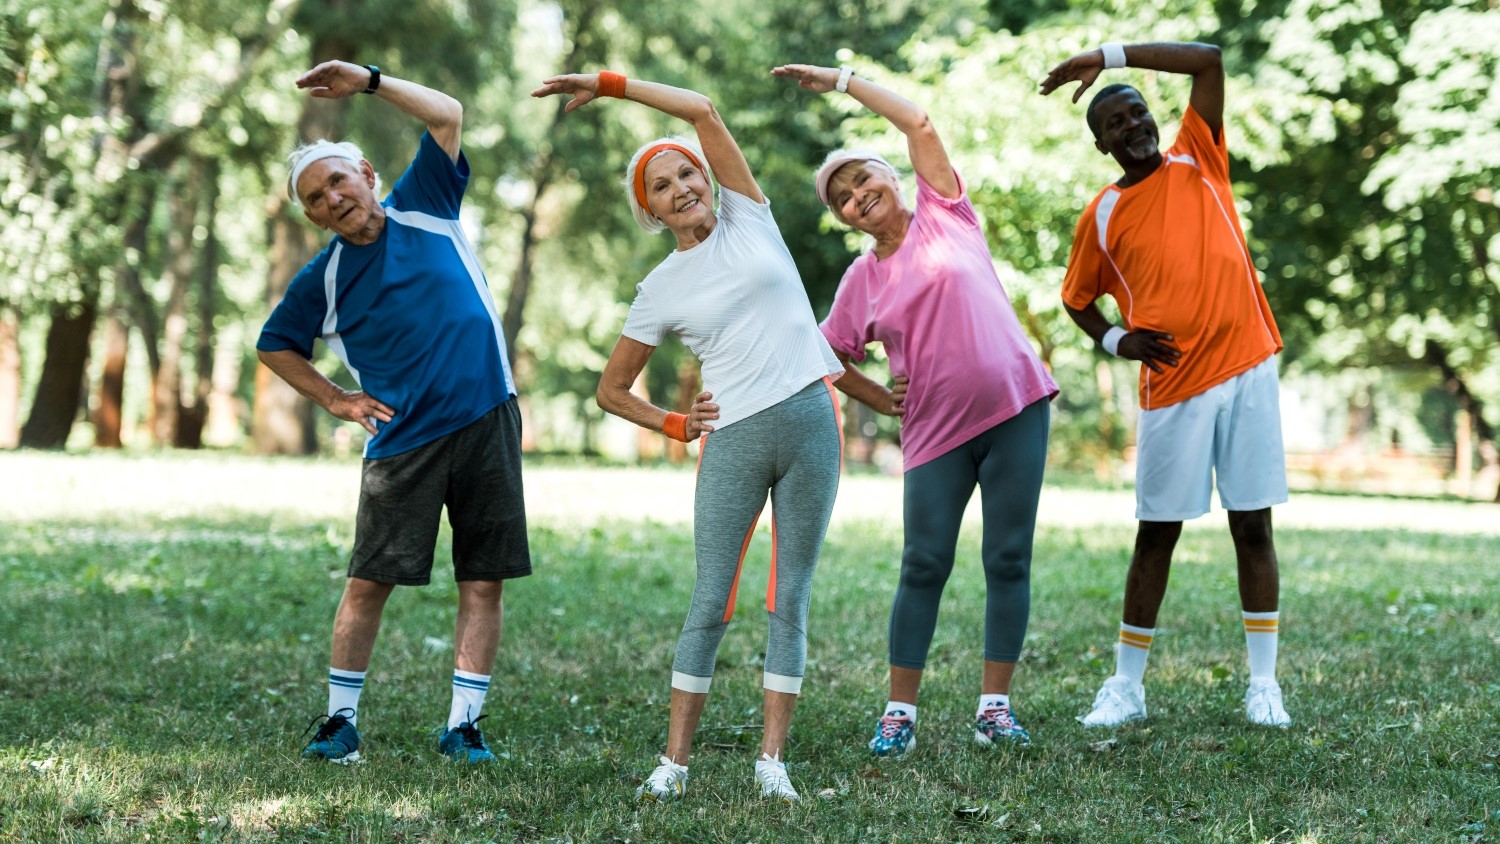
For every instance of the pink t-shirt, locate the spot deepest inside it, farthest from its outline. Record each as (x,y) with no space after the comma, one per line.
(947,325)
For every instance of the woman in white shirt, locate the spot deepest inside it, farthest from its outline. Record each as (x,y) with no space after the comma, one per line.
(732,294)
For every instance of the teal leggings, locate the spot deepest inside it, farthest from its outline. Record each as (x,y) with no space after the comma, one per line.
(1006,462)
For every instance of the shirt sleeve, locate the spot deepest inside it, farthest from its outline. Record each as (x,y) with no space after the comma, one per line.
(644,323)
(735,205)
(958,207)
(846,328)
(297,320)
(433,183)
(1197,140)
(1084,282)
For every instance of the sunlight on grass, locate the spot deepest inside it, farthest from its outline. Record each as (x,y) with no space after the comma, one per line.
(165,632)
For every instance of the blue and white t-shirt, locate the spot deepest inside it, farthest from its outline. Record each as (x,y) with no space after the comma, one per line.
(410,315)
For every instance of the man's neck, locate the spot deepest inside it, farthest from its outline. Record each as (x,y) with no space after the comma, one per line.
(1139,172)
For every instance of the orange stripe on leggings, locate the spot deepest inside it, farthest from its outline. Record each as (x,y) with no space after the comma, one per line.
(771,581)
(838,420)
(734,588)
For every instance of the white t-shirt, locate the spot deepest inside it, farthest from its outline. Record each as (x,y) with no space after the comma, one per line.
(738,304)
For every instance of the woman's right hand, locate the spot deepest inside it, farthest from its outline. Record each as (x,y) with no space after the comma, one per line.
(583,86)
(819,80)
(896,398)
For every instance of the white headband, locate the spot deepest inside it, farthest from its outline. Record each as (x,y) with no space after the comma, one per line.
(316,153)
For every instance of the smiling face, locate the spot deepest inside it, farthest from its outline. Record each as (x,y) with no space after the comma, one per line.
(678,192)
(1126,128)
(863,194)
(339,195)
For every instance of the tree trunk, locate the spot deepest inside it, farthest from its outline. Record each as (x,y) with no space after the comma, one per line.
(166,385)
(109,411)
(55,404)
(56,401)
(1453,382)
(282,421)
(192,416)
(520,280)
(543,171)
(10,378)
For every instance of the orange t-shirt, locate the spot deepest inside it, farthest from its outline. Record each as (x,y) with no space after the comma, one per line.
(1171,252)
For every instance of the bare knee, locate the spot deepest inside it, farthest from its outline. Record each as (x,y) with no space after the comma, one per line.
(1251,529)
(481,592)
(1156,540)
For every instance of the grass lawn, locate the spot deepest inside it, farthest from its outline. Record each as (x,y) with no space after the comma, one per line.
(164,629)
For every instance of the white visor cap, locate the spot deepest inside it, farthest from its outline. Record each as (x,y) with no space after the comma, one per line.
(838,159)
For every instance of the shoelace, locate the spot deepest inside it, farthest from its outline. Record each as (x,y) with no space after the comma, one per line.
(890,725)
(774,779)
(665,774)
(999,716)
(329,725)
(470,733)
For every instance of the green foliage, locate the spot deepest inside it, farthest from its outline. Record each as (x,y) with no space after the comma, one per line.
(1364,136)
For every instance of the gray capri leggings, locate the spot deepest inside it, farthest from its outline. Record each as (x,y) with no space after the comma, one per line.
(794,449)
(1006,462)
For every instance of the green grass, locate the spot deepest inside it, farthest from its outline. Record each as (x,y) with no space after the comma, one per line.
(160,651)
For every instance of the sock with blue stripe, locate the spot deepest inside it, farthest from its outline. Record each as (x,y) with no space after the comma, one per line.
(468,697)
(343,692)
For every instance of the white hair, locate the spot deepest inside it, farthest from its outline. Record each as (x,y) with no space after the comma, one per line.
(838,160)
(305,154)
(643,216)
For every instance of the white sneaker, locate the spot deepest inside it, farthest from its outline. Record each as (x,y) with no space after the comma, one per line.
(667,783)
(1263,704)
(770,774)
(1119,700)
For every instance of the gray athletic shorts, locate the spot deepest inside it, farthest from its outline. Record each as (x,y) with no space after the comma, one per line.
(476,473)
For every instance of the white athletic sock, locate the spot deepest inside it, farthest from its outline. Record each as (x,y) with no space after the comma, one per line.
(343,692)
(1131,651)
(468,697)
(1261,631)
(897,706)
(992,702)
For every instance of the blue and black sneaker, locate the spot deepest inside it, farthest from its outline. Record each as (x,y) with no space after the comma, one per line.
(336,739)
(465,743)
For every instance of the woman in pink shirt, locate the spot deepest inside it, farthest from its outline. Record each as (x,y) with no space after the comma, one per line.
(970,390)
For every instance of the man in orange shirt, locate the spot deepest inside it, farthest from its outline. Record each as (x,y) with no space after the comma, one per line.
(1166,243)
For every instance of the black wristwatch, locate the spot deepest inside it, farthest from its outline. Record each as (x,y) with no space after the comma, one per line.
(374,78)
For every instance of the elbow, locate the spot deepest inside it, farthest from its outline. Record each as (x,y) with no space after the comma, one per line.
(1213,57)
(703,113)
(453,113)
(603,398)
(919,126)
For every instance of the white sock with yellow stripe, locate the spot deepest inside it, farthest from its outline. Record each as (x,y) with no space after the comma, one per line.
(1261,630)
(1131,651)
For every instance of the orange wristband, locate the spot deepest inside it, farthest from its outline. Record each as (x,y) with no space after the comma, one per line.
(675,426)
(611,84)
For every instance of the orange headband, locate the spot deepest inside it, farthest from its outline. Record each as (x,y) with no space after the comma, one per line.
(640,169)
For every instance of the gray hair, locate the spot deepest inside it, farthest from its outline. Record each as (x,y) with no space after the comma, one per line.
(643,216)
(305,154)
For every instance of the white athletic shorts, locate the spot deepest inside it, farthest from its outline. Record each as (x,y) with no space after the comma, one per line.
(1231,432)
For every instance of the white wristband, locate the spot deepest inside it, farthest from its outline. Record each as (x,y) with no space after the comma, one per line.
(1114,54)
(1111,341)
(845,74)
